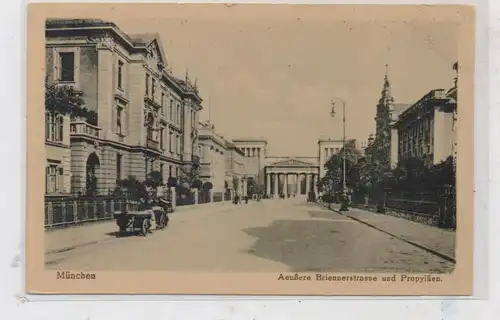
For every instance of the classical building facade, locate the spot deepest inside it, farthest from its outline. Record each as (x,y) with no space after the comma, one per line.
(58,155)
(255,150)
(236,169)
(327,148)
(425,130)
(213,154)
(146,118)
(291,175)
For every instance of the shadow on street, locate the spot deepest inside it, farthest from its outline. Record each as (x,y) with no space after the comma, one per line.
(337,245)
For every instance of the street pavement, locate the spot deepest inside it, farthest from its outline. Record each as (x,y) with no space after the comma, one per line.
(268,236)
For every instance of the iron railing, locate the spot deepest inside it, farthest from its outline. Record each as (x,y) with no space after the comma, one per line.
(74,211)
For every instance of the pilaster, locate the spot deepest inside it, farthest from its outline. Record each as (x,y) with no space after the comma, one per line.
(105,70)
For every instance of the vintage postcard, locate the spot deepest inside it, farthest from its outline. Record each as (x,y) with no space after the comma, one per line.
(250,149)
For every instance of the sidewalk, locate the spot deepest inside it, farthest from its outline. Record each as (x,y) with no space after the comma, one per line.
(428,237)
(66,239)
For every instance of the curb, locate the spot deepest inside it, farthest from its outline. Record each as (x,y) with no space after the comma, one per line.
(427,249)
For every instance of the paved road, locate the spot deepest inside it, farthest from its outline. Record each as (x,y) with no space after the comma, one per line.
(272,236)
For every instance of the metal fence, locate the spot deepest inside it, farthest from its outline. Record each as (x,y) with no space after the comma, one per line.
(420,203)
(60,212)
(203,196)
(440,204)
(218,196)
(186,199)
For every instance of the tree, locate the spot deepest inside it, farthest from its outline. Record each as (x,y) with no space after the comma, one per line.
(254,187)
(64,100)
(132,188)
(334,177)
(154,179)
(236,183)
(207,186)
(189,175)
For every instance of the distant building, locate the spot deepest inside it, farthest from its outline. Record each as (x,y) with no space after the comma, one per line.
(213,155)
(255,150)
(146,118)
(236,169)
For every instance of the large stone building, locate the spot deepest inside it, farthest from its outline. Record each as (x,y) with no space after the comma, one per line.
(146,118)
(427,130)
(213,155)
(327,148)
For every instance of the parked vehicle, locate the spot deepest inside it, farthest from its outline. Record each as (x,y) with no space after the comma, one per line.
(149,216)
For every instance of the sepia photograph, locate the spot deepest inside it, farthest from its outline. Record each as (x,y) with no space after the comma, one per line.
(249,148)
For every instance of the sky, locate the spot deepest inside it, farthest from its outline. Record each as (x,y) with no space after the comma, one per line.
(275,78)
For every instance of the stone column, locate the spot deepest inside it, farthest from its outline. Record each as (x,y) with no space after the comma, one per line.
(285,184)
(174,197)
(245,187)
(315,188)
(268,184)
(275,191)
(308,183)
(298,184)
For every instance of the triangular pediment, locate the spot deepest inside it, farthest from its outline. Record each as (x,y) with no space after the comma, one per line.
(155,48)
(155,56)
(291,163)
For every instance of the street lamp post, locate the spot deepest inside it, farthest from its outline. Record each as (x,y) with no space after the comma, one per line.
(344,188)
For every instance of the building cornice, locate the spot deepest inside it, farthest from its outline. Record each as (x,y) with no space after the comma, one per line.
(94,26)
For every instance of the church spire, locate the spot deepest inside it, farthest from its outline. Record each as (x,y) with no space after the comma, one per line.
(386,98)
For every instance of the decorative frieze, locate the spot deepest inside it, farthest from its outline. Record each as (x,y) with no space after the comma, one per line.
(103,42)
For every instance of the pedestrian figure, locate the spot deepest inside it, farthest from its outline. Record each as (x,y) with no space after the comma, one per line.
(246,199)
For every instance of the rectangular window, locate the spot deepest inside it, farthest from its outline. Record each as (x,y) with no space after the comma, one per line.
(120,74)
(146,167)
(178,145)
(51,179)
(181,144)
(161,138)
(119,120)
(67,66)
(162,103)
(177,172)
(153,87)
(147,85)
(178,114)
(171,142)
(118,167)
(171,109)
(170,171)
(161,171)
(54,128)
(59,128)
